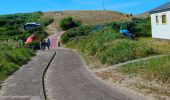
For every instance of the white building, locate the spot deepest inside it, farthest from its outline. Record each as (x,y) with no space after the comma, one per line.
(160,18)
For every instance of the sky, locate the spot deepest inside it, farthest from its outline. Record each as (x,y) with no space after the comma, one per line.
(125,6)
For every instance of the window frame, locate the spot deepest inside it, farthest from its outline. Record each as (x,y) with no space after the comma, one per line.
(164,21)
(157,19)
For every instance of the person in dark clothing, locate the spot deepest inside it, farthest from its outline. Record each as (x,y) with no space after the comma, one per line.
(42,45)
(58,44)
(48,43)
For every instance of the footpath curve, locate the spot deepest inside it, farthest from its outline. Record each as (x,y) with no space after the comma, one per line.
(69,79)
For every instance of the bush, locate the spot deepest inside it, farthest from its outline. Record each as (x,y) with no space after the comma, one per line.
(115,25)
(19,20)
(141,27)
(48,22)
(13,32)
(23,36)
(34,45)
(76,32)
(68,23)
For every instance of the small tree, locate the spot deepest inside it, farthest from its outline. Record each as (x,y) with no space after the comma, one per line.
(68,23)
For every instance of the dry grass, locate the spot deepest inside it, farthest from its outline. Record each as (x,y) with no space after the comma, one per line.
(162,45)
(143,15)
(86,17)
(159,91)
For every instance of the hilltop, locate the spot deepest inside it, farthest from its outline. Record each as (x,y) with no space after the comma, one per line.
(143,15)
(92,17)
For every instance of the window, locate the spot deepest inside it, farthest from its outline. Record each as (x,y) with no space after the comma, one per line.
(163,19)
(157,20)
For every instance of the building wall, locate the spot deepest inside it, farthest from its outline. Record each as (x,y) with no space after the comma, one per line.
(160,30)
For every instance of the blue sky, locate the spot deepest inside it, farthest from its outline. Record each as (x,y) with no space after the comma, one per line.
(125,6)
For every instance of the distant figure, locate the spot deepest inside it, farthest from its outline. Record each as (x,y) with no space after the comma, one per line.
(42,45)
(58,44)
(48,43)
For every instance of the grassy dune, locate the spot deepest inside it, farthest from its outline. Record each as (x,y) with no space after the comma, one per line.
(86,17)
(110,47)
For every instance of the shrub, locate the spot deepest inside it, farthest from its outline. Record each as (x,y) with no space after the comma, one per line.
(141,27)
(13,32)
(68,23)
(11,28)
(23,36)
(34,45)
(115,25)
(48,22)
(75,32)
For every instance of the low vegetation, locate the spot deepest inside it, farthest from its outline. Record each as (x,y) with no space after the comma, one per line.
(12,56)
(75,32)
(109,46)
(68,23)
(141,27)
(153,69)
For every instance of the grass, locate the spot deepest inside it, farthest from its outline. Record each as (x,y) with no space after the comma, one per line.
(153,69)
(161,45)
(12,56)
(110,47)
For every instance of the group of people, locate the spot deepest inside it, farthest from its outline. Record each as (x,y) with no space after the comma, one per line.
(44,44)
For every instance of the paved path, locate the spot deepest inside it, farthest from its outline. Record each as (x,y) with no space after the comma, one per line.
(54,39)
(68,79)
(27,82)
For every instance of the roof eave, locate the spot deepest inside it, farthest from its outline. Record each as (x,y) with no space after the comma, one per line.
(157,11)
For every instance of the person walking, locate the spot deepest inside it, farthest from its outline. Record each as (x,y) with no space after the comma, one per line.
(58,43)
(42,45)
(48,43)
